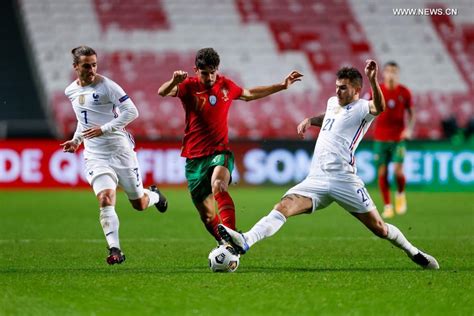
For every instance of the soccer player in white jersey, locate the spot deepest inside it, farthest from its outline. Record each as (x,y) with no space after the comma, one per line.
(332,177)
(103,110)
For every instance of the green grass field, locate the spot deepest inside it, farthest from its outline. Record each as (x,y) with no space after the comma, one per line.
(52,260)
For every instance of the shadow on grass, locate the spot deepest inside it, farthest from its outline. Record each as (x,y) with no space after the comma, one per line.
(247,270)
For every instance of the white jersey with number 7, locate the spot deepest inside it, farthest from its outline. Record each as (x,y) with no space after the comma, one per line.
(104,104)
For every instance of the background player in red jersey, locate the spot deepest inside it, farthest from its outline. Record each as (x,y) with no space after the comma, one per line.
(390,135)
(206,100)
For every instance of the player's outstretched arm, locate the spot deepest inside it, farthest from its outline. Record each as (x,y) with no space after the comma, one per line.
(307,122)
(170,87)
(263,91)
(377,104)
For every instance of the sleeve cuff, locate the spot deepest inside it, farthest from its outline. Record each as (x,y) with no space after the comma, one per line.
(106,128)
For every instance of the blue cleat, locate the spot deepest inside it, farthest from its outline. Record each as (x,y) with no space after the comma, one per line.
(236,239)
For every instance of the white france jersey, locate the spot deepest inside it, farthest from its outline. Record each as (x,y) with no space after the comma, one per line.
(341,132)
(105,104)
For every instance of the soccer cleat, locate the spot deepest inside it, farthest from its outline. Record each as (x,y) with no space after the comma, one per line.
(235,239)
(425,261)
(388,211)
(400,203)
(162,204)
(115,256)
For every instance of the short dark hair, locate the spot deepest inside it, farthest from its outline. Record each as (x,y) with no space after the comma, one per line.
(81,51)
(391,63)
(207,57)
(352,74)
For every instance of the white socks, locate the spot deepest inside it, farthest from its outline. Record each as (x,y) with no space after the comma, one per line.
(398,239)
(270,224)
(153,197)
(265,227)
(110,224)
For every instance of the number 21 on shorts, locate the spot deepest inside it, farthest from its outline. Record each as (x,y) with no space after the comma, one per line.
(363,194)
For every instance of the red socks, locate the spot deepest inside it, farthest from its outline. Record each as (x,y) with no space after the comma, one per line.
(384,187)
(212,227)
(401,181)
(226,208)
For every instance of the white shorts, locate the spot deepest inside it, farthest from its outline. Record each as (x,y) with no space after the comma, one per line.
(122,168)
(350,194)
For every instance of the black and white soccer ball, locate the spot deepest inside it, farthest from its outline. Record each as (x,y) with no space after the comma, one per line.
(223,259)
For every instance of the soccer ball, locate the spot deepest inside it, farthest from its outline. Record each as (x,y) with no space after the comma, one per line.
(223,259)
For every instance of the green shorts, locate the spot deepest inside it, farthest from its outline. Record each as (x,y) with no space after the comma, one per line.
(385,152)
(199,173)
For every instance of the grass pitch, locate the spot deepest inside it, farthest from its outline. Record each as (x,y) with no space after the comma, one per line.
(52,260)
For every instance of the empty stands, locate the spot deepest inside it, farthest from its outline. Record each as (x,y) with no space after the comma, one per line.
(140,44)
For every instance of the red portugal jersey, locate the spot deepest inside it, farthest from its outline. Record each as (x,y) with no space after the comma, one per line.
(206,130)
(390,124)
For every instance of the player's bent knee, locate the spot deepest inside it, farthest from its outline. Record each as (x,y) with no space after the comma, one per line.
(382,171)
(399,172)
(105,198)
(218,186)
(286,207)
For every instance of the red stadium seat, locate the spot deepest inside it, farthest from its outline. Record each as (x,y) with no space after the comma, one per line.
(327,34)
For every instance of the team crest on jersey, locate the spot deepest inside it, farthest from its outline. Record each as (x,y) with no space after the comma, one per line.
(212,99)
(95,96)
(82,99)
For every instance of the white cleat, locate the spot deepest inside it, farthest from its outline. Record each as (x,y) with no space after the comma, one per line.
(236,239)
(425,261)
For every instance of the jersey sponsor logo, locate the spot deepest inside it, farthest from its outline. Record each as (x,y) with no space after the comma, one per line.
(212,100)
(125,97)
(82,99)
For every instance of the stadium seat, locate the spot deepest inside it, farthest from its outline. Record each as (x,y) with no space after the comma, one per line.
(140,44)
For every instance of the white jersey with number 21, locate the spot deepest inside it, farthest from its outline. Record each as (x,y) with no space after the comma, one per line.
(341,132)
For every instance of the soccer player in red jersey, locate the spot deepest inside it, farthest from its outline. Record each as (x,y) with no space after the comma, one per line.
(390,135)
(206,99)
